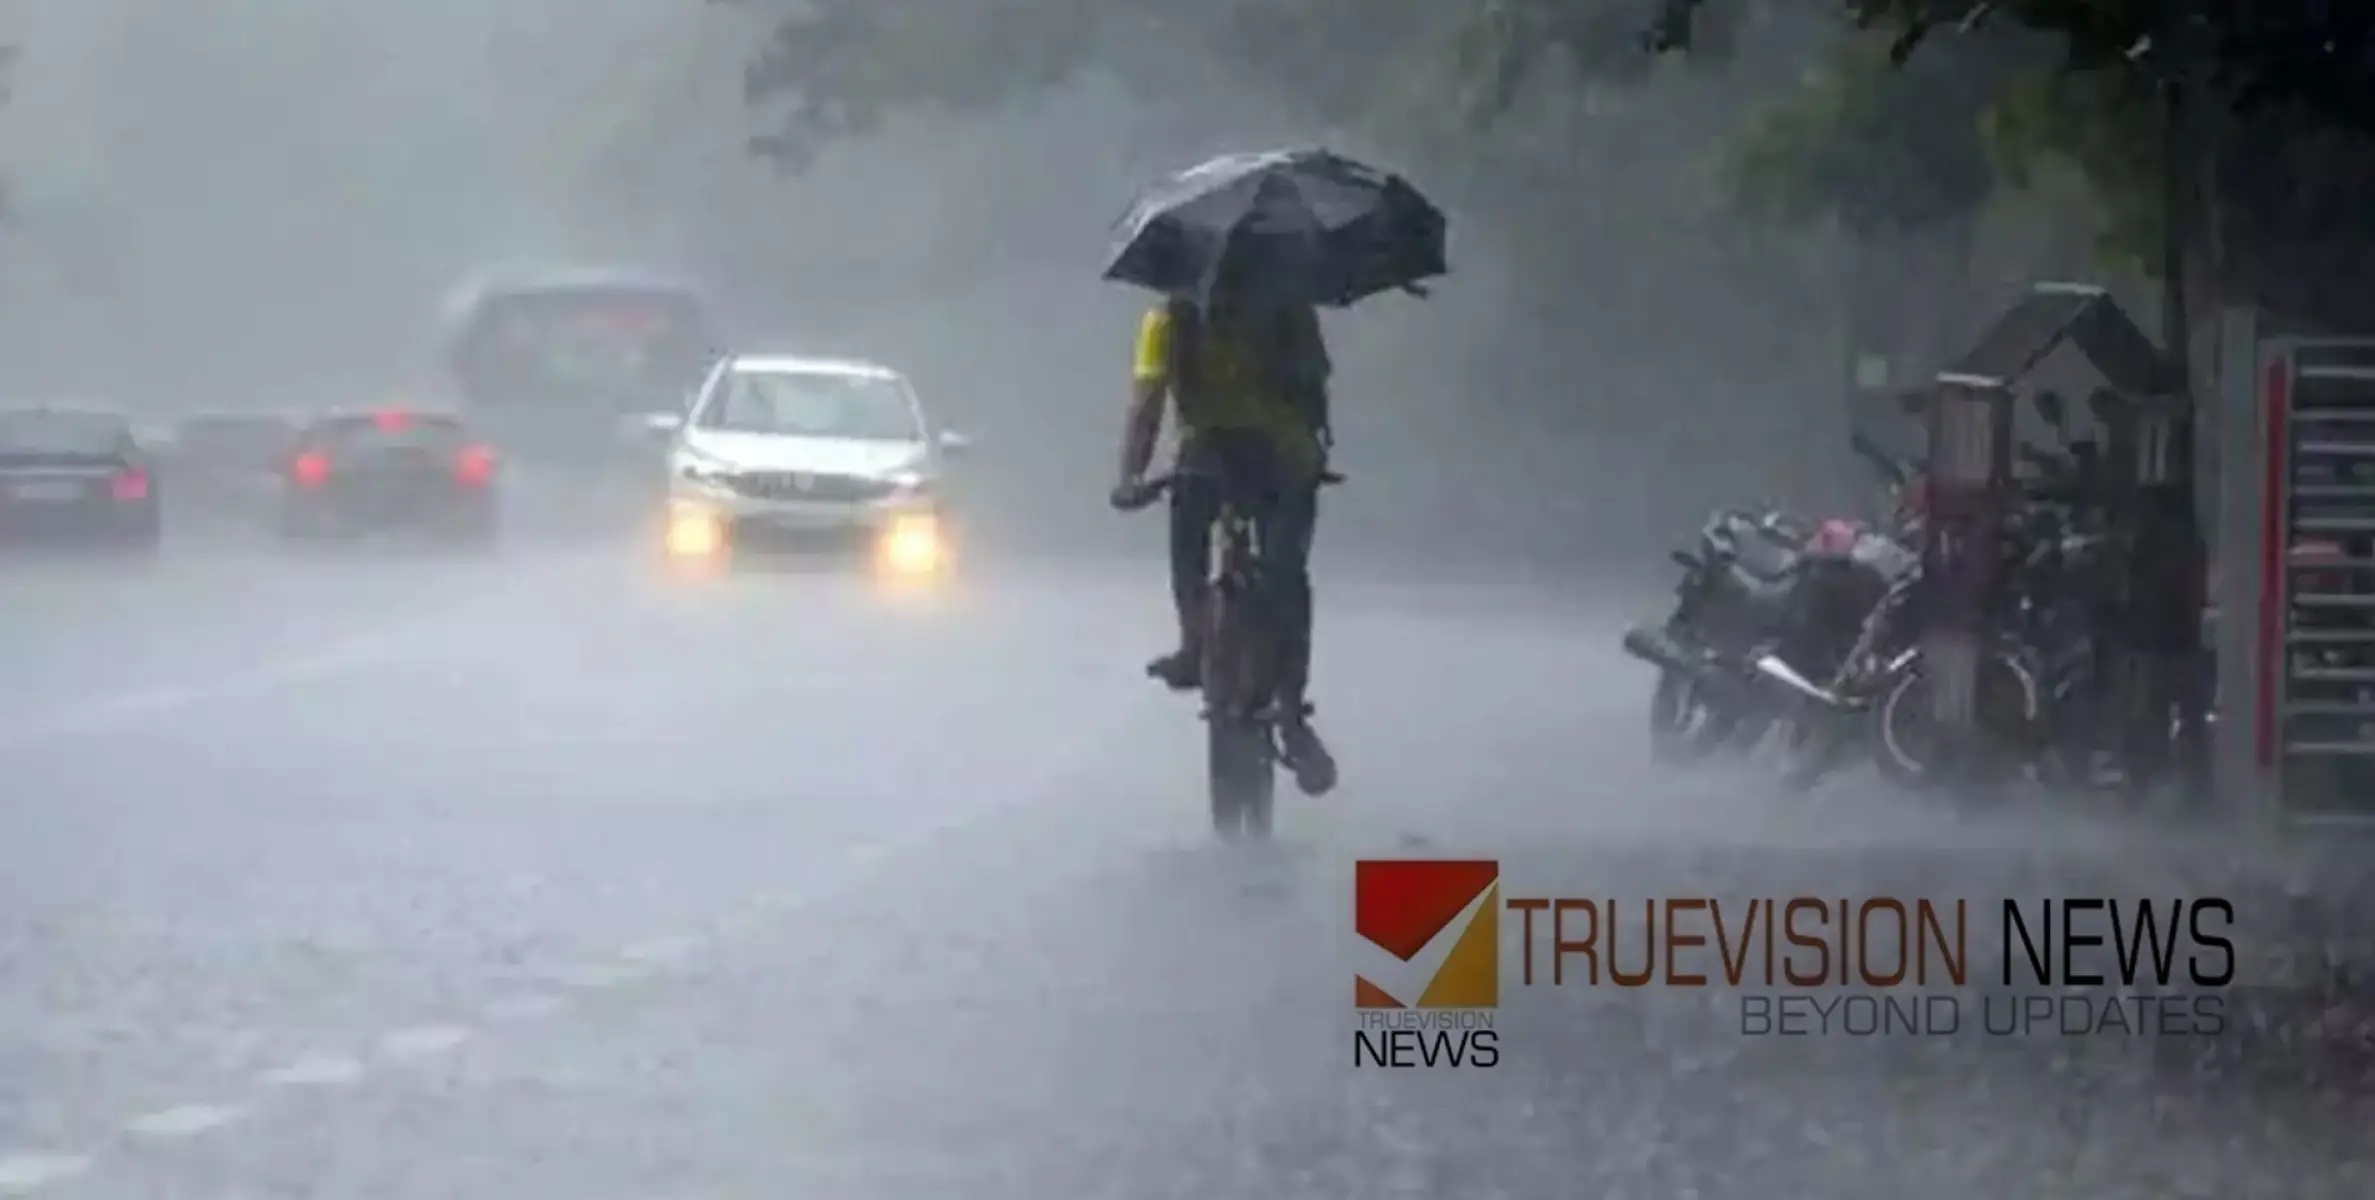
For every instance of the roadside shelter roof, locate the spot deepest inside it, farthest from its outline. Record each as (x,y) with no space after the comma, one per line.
(2050,316)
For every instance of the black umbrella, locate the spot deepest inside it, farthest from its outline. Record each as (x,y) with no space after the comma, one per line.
(1304,226)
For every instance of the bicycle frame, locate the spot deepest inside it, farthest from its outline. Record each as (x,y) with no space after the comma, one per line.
(1241,668)
(1234,581)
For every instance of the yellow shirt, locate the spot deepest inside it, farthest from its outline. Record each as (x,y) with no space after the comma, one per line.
(1230,393)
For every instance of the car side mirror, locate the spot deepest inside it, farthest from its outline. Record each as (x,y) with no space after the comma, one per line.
(954,444)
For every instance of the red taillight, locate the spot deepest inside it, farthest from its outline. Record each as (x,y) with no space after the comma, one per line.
(310,469)
(474,466)
(130,485)
(391,420)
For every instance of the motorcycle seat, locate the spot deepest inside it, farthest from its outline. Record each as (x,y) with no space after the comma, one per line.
(1768,561)
(1763,591)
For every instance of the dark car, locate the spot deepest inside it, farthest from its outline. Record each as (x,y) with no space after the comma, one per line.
(229,466)
(392,471)
(75,476)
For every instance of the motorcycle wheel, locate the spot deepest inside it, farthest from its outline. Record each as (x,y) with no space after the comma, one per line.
(1683,726)
(1907,755)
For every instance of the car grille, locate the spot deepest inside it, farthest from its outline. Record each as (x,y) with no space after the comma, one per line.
(802,485)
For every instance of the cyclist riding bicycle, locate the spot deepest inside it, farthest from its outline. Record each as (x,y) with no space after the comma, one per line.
(1249,380)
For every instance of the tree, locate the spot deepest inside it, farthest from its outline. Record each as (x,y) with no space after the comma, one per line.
(2271,69)
(1876,147)
(2228,144)
(2257,111)
(835,68)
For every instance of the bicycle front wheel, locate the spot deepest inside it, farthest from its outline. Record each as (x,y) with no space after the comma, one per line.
(1242,777)
(1240,759)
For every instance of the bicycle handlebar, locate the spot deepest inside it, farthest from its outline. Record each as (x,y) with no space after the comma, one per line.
(1151,490)
(1159,484)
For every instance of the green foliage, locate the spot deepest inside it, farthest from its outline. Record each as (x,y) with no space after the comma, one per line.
(1871,145)
(1982,86)
(1938,104)
(1981,92)
(2305,57)
(2106,126)
(836,68)
(1883,141)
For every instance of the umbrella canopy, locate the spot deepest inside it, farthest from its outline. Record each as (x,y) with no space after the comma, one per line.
(1301,226)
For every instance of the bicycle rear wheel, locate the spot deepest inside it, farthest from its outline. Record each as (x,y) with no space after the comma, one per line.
(1240,757)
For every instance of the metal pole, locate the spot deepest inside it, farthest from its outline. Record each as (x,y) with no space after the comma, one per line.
(1969,473)
(2182,674)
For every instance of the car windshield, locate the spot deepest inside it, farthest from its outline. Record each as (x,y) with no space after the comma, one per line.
(64,432)
(825,404)
(386,432)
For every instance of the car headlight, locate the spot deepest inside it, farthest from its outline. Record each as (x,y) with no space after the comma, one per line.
(695,532)
(913,545)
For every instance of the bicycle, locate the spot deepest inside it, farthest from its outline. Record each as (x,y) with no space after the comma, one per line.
(1242,716)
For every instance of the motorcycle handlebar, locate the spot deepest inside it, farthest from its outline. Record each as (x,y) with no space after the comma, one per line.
(1881,460)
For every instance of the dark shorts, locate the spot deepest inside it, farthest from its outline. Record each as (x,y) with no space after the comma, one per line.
(1249,471)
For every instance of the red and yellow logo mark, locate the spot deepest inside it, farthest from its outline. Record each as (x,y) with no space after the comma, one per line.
(1415,907)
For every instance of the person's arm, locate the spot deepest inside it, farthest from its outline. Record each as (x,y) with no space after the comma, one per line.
(1150,385)
(1313,371)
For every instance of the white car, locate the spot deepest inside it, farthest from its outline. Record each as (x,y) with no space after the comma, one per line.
(785,453)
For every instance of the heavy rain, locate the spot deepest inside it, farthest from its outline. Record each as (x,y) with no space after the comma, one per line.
(637,599)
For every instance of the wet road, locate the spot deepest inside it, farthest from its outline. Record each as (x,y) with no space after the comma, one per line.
(541,877)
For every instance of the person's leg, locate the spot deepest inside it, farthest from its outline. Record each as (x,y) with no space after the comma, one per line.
(1286,531)
(1194,505)
(1289,522)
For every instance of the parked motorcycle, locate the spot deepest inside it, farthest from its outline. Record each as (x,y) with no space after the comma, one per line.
(2037,703)
(1767,606)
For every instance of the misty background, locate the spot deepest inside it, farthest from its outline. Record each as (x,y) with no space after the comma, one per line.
(235,202)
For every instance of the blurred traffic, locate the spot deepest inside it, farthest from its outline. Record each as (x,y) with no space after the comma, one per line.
(590,385)
(77,477)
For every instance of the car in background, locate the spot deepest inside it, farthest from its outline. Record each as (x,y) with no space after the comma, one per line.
(391,471)
(153,435)
(787,454)
(229,467)
(555,364)
(76,475)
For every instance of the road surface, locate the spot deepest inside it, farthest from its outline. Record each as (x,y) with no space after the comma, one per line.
(544,877)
